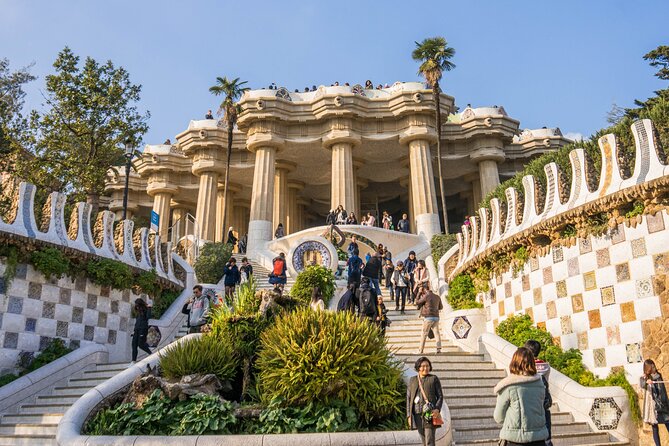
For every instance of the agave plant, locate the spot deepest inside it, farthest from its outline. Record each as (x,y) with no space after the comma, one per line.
(203,355)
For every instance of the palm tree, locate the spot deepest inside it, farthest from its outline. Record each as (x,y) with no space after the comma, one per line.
(233,90)
(435,55)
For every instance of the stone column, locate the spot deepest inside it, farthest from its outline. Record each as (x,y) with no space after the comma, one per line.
(281,202)
(161,206)
(487,159)
(423,192)
(262,197)
(240,219)
(360,184)
(221,233)
(292,217)
(302,204)
(476,192)
(341,141)
(178,219)
(205,213)
(406,182)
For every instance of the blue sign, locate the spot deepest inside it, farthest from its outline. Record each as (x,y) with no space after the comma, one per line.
(155,221)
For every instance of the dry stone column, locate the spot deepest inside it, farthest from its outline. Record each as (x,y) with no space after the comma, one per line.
(179,222)
(341,142)
(487,159)
(162,190)
(221,233)
(262,198)
(240,217)
(205,213)
(424,197)
(406,182)
(281,202)
(292,217)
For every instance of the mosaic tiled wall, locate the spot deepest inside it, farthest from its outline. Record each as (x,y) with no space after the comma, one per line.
(594,296)
(34,310)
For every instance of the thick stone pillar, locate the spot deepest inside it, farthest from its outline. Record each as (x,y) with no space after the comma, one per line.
(179,222)
(423,193)
(240,217)
(406,182)
(360,184)
(281,202)
(476,192)
(262,198)
(341,141)
(205,213)
(487,159)
(222,227)
(161,206)
(292,217)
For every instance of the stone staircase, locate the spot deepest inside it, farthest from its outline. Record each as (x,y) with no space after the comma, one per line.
(261,274)
(35,423)
(468,381)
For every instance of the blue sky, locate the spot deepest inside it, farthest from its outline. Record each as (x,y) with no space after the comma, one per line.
(561,63)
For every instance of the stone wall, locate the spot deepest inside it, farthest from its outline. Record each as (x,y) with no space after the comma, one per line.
(595,295)
(34,310)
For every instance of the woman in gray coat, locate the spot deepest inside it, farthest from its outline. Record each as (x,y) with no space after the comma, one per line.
(520,402)
(418,409)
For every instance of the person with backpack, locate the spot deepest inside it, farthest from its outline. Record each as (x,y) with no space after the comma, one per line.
(353,246)
(655,401)
(367,300)
(348,302)
(278,275)
(232,277)
(400,280)
(143,312)
(354,265)
(430,305)
(544,370)
(198,310)
(373,270)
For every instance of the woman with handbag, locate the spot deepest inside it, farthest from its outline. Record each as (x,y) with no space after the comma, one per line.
(655,401)
(520,403)
(424,401)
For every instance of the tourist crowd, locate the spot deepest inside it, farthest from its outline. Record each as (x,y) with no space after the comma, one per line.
(340,216)
(369,85)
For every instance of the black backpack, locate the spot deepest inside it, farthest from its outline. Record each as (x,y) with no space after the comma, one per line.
(367,302)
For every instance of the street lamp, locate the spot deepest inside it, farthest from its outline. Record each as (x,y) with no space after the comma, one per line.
(129,152)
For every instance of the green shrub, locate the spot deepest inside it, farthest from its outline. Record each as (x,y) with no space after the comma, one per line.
(205,354)
(53,351)
(519,329)
(309,278)
(6,379)
(163,302)
(199,415)
(337,417)
(106,272)
(147,282)
(461,293)
(322,357)
(210,264)
(51,262)
(440,244)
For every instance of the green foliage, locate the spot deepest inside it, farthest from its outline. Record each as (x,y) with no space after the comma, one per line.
(568,231)
(106,272)
(11,254)
(205,354)
(597,224)
(481,280)
(6,379)
(210,264)
(163,302)
(335,417)
(637,209)
(519,329)
(199,415)
(147,282)
(440,244)
(51,262)
(309,278)
(53,351)
(321,357)
(461,293)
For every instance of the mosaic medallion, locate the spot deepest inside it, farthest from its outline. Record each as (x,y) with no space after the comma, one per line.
(310,253)
(605,413)
(461,327)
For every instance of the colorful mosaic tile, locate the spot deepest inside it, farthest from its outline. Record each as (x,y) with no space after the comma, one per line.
(507,289)
(557,340)
(526,282)
(638,247)
(584,245)
(530,312)
(644,288)
(565,325)
(595,319)
(658,284)
(461,327)
(589,281)
(548,275)
(572,267)
(655,222)
(618,235)
(577,303)
(551,310)
(582,339)
(599,355)
(517,302)
(536,293)
(605,413)
(541,325)
(498,279)
(633,353)
(561,288)
(627,312)
(501,308)
(608,295)
(558,255)
(613,335)
(603,258)
(661,263)
(493,296)
(534,263)
(622,272)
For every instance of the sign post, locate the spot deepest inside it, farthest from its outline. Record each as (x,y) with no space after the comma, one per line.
(155,221)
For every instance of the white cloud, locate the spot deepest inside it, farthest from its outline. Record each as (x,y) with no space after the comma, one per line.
(574,136)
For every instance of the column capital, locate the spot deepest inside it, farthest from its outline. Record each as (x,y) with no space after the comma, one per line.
(295,184)
(339,136)
(418,133)
(487,153)
(154,188)
(263,140)
(232,187)
(288,166)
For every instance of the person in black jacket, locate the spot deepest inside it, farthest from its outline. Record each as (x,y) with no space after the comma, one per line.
(232,277)
(373,269)
(418,409)
(143,312)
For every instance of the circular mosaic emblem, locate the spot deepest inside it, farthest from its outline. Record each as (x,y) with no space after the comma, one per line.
(311,253)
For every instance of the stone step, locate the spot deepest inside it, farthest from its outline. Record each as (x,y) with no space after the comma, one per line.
(451,357)
(484,400)
(470,381)
(25,418)
(474,370)
(492,431)
(466,421)
(575,439)
(70,390)
(412,349)
(86,382)
(61,399)
(28,429)
(460,391)
(113,366)
(100,373)
(44,408)
(28,440)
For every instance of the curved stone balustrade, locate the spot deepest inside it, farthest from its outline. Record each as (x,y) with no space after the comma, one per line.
(98,240)
(322,90)
(527,219)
